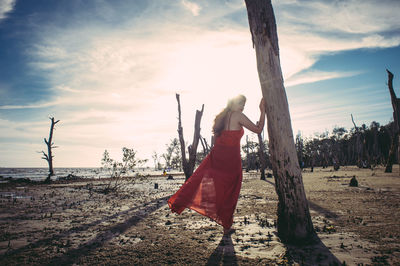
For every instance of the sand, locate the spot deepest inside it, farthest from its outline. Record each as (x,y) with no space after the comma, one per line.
(72,222)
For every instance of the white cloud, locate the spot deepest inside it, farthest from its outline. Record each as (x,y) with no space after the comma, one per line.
(310,29)
(5,7)
(192,7)
(351,16)
(27,106)
(314,76)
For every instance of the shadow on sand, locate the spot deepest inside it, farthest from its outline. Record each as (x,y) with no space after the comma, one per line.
(307,254)
(135,215)
(315,253)
(225,253)
(310,254)
(74,254)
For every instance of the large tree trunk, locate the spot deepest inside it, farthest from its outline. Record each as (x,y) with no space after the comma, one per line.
(396,116)
(50,145)
(294,220)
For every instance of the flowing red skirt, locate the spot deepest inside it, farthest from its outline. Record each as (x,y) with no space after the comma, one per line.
(213,189)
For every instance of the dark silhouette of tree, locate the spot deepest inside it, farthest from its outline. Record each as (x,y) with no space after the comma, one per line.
(50,145)
(189,164)
(396,117)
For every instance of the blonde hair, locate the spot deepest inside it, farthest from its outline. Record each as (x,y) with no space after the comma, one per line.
(219,121)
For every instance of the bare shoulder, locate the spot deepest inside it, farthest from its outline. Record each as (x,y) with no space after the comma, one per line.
(236,120)
(237,116)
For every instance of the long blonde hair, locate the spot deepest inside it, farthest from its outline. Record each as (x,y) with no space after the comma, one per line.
(219,121)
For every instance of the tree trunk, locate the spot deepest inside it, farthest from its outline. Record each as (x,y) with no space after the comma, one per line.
(188,165)
(261,156)
(206,148)
(247,154)
(294,220)
(193,148)
(49,156)
(392,154)
(396,116)
(358,144)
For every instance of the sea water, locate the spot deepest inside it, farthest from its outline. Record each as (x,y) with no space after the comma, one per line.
(40,174)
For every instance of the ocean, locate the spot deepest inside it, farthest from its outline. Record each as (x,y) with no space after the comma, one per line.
(40,174)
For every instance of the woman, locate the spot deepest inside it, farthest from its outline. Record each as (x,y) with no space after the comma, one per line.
(213,189)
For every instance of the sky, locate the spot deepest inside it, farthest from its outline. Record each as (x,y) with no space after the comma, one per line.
(109,71)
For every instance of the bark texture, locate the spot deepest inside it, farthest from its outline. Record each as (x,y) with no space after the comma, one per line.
(294,221)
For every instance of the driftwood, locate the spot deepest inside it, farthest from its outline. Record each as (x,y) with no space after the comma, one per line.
(396,116)
(188,165)
(50,145)
(294,220)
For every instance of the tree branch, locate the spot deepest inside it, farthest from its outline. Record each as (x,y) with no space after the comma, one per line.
(180,133)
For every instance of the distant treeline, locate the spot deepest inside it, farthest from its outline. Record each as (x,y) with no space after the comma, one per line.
(363,146)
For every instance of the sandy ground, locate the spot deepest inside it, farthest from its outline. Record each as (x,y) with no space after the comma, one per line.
(68,223)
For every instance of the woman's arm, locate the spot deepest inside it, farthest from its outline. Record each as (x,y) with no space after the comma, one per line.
(258,128)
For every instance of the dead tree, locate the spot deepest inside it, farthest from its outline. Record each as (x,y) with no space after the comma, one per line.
(188,165)
(261,156)
(294,220)
(363,160)
(247,154)
(206,147)
(396,116)
(50,145)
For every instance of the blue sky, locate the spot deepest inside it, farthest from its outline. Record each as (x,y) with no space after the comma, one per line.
(109,70)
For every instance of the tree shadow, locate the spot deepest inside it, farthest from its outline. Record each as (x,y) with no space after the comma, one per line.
(225,253)
(136,215)
(327,213)
(315,252)
(102,238)
(310,254)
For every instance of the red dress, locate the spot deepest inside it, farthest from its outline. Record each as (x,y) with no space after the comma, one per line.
(213,189)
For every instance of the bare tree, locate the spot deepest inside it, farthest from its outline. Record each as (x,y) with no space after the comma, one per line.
(172,156)
(50,145)
(261,156)
(247,154)
(294,220)
(396,117)
(188,165)
(206,147)
(361,151)
(156,160)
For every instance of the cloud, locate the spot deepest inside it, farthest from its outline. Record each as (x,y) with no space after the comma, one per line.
(28,106)
(192,7)
(6,6)
(310,29)
(351,16)
(314,76)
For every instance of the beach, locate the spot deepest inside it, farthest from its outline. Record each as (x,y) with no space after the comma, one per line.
(75,222)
